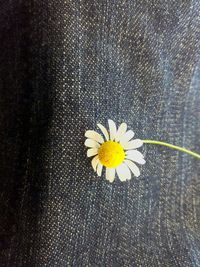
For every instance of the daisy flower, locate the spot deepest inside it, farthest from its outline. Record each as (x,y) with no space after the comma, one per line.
(115,150)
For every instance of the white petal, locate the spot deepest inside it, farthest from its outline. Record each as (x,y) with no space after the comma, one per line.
(121,131)
(92,152)
(94,162)
(110,174)
(94,136)
(133,167)
(112,129)
(136,157)
(127,136)
(104,131)
(135,153)
(123,172)
(91,143)
(133,144)
(99,169)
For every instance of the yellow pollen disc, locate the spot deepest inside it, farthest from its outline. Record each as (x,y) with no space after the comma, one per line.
(111,154)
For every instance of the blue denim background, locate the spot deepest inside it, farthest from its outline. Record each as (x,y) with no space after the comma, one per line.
(64,66)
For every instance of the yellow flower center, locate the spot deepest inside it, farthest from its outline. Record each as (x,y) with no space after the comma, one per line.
(111,154)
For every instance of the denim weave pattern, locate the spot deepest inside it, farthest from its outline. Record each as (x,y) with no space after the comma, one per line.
(66,65)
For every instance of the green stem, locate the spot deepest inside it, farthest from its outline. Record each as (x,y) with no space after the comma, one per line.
(154,142)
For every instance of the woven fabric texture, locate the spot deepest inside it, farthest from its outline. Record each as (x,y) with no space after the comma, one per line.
(66,65)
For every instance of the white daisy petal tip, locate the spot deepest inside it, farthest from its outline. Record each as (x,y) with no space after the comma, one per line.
(112,129)
(95,162)
(133,144)
(92,152)
(99,169)
(91,143)
(94,136)
(110,174)
(115,150)
(121,131)
(104,131)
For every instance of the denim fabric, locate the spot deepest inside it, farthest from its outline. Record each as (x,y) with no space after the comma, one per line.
(64,66)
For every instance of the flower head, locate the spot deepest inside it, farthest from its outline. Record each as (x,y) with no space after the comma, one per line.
(115,150)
